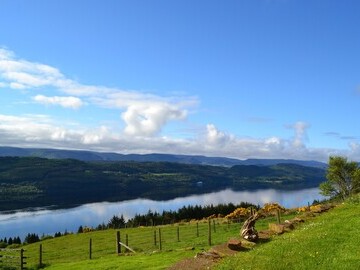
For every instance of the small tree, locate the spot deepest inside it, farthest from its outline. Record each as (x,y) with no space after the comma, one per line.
(343,178)
(81,229)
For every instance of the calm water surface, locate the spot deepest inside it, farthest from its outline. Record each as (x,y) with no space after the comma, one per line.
(52,221)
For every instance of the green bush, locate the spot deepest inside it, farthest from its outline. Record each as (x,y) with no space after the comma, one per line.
(355,199)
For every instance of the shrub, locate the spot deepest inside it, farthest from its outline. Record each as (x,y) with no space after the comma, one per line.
(270,208)
(238,213)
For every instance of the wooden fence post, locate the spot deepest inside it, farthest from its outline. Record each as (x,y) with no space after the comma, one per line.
(197,229)
(22,261)
(209,233)
(154,237)
(214,225)
(90,249)
(160,244)
(178,233)
(126,241)
(278,216)
(118,246)
(40,256)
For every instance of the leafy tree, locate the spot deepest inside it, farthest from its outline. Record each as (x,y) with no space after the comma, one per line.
(343,178)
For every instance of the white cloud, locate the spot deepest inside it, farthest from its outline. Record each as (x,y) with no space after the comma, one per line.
(66,102)
(42,131)
(144,114)
(300,133)
(216,137)
(148,119)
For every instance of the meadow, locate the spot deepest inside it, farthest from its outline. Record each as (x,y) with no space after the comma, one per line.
(178,241)
(326,241)
(329,241)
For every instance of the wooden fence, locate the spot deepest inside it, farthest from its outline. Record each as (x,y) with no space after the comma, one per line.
(176,236)
(185,235)
(12,259)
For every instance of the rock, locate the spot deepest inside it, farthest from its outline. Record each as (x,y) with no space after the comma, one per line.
(234,244)
(277,228)
(265,234)
(297,220)
(288,226)
(208,254)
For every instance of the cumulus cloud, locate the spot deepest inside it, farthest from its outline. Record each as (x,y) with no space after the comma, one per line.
(149,119)
(42,131)
(143,114)
(215,137)
(300,136)
(66,102)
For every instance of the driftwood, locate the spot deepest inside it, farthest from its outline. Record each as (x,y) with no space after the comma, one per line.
(248,231)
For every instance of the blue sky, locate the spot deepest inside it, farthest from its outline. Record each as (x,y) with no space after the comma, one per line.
(242,79)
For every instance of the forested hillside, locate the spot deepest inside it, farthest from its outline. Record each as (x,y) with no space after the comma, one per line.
(185,159)
(37,182)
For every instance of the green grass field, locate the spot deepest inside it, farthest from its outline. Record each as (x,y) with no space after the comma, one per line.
(72,251)
(330,241)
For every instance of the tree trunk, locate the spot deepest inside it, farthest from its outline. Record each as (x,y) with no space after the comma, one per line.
(248,231)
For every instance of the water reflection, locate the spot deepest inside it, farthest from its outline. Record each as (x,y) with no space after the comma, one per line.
(51,221)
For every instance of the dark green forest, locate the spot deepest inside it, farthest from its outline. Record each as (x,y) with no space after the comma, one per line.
(29,182)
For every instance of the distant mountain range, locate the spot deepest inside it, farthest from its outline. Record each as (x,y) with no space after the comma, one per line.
(184,159)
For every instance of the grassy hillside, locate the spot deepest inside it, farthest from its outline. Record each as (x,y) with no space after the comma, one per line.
(72,251)
(328,241)
(34,182)
(331,241)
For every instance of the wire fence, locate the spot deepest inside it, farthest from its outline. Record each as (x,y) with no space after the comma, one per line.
(12,259)
(180,236)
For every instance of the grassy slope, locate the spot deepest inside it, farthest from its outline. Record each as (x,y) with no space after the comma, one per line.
(331,241)
(71,251)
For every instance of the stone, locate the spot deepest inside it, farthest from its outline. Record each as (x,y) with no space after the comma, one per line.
(297,220)
(277,228)
(234,244)
(288,226)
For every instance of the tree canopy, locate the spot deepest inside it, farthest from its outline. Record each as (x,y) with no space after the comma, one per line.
(343,178)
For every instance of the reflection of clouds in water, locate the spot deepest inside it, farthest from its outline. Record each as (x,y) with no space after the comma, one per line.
(49,222)
(19,215)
